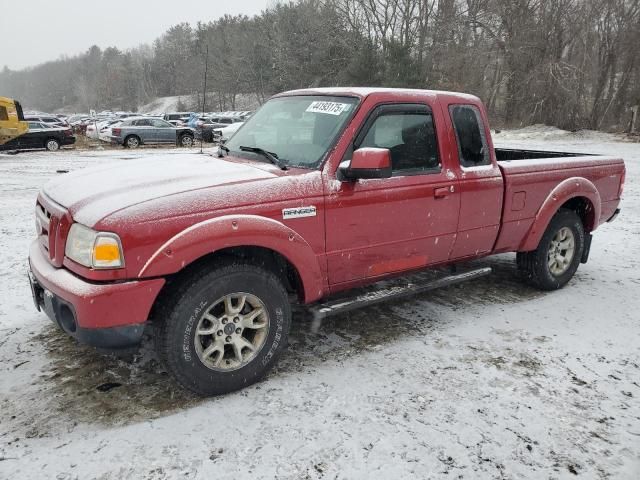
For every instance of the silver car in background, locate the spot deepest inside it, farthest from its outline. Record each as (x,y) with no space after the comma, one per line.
(136,131)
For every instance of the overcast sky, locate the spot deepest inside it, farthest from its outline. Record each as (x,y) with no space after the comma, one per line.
(35,31)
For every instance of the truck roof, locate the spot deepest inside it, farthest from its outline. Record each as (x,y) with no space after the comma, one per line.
(363,92)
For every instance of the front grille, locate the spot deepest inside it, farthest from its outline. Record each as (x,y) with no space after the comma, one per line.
(43,225)
(52,225)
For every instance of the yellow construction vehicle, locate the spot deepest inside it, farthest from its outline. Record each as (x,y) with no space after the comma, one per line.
(12,122)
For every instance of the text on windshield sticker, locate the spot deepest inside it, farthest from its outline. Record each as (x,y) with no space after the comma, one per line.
(332,108)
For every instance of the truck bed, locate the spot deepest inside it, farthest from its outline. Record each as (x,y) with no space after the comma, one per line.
(510,154)
(531,177)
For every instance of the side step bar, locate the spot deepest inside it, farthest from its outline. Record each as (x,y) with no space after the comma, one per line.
(333,307)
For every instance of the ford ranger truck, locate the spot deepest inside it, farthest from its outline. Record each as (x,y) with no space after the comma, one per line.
(320,192)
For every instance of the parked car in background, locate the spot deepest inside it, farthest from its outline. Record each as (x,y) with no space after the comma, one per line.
(206,126)
(80,126)
(91,130)
(177,118)
(76,117)
(225,133)
(41,135)
(204,129)
(50,120)
(133,132)
(239,115)
(106,130)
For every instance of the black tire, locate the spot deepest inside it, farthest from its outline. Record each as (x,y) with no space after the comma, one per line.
(535,264)
(186,140)
(132,141)
(196,294)
(52,144)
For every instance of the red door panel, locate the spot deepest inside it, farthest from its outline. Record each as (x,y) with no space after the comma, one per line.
(481,193)
(480,180)
(376,227)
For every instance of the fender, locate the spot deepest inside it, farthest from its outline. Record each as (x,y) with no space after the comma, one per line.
(237,231)
(566,190)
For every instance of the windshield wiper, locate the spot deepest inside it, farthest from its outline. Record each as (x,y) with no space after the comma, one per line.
(272,157)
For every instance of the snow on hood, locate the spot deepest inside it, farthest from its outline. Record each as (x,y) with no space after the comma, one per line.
(91,194)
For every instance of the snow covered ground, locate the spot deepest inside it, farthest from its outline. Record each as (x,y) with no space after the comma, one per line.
(489,379)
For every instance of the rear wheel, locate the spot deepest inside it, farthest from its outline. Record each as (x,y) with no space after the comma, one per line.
(132,142)
(223,329)
(186,141)
(52,144)
(555,261)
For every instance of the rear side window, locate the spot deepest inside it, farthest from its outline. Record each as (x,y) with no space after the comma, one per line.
(4,116)
(472,142)
(142,123)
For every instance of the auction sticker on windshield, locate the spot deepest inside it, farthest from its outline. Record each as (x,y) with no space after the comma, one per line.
(332,108)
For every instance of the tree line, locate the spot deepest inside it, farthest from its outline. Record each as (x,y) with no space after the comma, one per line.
(570,63)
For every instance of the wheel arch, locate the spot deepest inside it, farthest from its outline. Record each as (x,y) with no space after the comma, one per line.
(266,241)
(577,194)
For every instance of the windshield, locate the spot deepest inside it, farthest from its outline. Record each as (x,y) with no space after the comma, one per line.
(298,130)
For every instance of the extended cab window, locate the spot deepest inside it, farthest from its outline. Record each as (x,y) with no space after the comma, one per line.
(409,134)
(472,142)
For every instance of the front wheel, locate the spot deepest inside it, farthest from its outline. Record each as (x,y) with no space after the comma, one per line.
(223,329)
(555,261)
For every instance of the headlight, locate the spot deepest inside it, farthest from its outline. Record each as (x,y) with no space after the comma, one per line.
(94,249)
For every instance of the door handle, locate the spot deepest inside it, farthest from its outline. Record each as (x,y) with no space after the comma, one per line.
(443,192)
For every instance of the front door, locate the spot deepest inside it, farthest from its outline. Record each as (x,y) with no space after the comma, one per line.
(35,137)
(164,131)
(380,226)
(145,130)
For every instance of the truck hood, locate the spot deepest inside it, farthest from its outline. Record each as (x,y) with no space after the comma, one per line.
(91,194)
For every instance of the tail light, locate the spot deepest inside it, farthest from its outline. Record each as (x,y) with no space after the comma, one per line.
(622,179)
(116,132)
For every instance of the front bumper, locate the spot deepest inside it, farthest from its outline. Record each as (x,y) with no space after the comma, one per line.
(108,315)
(68,140)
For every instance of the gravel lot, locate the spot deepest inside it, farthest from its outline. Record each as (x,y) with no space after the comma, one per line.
(489,379)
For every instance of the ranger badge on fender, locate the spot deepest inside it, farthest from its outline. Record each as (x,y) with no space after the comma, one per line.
(298,212)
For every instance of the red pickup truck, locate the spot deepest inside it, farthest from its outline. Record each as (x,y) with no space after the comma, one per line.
(321,191)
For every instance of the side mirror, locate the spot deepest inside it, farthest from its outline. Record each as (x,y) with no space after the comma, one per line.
(367,163)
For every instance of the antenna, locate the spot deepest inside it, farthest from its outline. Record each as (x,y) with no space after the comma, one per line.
(204,92)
